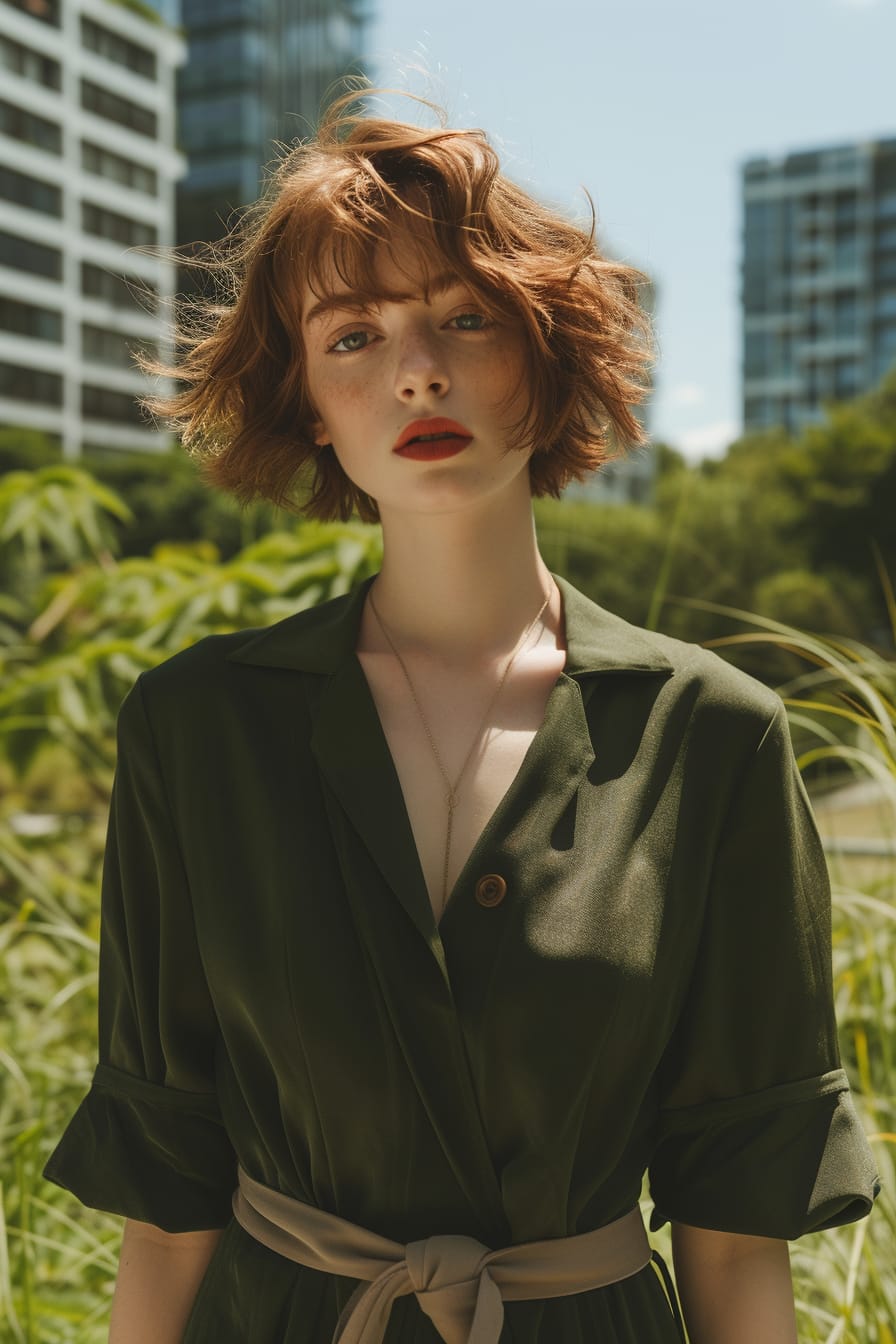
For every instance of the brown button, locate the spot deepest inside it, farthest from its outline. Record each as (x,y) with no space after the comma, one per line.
(490,890)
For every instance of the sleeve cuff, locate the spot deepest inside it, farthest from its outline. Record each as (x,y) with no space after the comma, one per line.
(148,1152)
(778,1163)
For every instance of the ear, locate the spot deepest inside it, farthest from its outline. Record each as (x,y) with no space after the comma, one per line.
(319,432)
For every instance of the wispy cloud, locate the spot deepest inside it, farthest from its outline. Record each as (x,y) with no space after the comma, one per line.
(708,440)
(687,394)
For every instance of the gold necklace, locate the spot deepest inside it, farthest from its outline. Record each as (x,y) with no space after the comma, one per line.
(452,788)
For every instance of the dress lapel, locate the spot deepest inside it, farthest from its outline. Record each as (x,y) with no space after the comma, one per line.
(354,757)
(353,754)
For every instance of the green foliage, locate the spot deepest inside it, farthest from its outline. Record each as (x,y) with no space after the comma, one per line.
(26,449)
(170,501)
(94,590)
(799,597)
(796,528)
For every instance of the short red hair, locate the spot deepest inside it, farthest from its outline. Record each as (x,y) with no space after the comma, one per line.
(243,408)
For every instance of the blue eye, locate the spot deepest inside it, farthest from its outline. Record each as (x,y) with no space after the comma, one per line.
(350,336)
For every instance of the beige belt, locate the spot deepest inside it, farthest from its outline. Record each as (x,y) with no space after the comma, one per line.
(460,1284)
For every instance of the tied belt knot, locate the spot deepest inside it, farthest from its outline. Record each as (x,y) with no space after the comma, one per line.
(459,1283)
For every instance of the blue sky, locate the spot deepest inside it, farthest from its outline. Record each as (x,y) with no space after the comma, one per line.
(653,106)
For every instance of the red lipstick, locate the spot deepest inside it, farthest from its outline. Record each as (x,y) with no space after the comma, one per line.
(440,438)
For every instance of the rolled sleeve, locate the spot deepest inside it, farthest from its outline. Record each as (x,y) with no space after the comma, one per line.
(148,1140)
(757,1131)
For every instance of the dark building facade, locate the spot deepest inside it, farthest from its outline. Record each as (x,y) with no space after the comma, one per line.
(257,72)
(818,280)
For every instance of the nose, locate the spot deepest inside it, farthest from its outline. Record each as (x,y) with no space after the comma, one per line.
(422,367)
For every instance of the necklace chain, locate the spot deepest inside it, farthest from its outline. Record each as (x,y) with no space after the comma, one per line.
(451,797)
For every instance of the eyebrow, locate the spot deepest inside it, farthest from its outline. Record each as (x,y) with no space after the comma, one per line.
(361,299)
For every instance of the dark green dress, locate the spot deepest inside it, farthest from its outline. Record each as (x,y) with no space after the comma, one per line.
(652,992)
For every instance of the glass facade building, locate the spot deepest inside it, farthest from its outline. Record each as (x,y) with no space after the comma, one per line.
(818,280)
(257,73)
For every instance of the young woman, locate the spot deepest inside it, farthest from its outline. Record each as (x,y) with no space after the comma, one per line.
(437,914)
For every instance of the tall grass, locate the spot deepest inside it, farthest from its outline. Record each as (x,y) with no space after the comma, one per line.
(842,712)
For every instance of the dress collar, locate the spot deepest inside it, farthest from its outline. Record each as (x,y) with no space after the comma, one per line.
(320,639)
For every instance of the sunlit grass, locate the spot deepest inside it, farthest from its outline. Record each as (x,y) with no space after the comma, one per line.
(842,712)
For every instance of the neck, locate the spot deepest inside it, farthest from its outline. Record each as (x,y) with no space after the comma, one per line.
(460,588)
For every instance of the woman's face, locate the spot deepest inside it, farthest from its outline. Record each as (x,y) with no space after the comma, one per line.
(372,373)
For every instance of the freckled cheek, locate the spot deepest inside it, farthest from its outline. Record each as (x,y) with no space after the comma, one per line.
(348,410)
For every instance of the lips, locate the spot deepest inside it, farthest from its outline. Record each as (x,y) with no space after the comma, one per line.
(436,426)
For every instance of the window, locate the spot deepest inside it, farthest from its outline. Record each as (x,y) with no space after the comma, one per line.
(120,291)
(19,124)
(757,354)
(846,204)
(30,192)
(28,319)
(199,12)
(117,48)
(839,161)
(101,403)
(201,214)
(113,347)
(47,11)
(846,250)
(756,171)
(104,163)
(802,165)
(846,314)
(785,355)
(755,289)
(20,383)
(109,105)
(117,228)
(222,123)
(231,57)
(846,379)
(33,65)
(21,254)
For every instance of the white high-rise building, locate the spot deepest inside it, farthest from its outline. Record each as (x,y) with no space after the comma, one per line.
(88,165)
(819,280)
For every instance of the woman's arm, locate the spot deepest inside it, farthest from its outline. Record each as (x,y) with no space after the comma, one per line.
(734,1289)
(159,1274)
